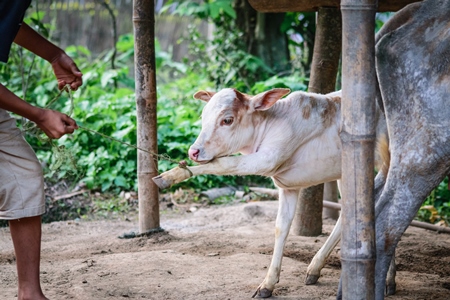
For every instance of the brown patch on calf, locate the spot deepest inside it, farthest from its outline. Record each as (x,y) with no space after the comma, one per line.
(306,112)
(240,105)
(335,99)
(308,107)
(242,102)
(328,114)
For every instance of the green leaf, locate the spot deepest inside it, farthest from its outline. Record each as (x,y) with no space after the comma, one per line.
(214,10)
(120,181)
(107,77)
(121,133)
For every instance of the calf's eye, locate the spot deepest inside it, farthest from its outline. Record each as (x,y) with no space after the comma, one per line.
(227,121)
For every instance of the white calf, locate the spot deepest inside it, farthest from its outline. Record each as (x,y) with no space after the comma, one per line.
(293,140)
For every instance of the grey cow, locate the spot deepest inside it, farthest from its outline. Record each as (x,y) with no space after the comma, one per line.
(413,70)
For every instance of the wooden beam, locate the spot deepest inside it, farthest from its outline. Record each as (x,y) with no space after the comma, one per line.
(312,5)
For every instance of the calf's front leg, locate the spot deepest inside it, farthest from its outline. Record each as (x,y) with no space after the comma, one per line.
(252,164)
(286,210)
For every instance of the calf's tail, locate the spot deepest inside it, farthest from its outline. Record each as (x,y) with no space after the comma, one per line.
(383,154)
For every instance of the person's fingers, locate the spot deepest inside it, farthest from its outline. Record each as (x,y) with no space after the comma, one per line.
(70,129)
(61,84)
(76,72)
(74,86)
(69,122)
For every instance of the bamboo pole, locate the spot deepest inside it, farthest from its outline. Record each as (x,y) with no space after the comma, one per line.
(145,68)
(324,68)
(358,136)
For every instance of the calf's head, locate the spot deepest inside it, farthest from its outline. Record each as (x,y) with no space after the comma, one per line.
(230,122)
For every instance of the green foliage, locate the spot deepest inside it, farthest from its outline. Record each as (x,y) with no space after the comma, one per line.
(99,105)
(112,205)
(222,59)
(295,82)
(207,9)
(301,28)
(436,208)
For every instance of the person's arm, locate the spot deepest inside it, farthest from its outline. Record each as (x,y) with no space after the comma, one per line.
(53,123)
(65,69)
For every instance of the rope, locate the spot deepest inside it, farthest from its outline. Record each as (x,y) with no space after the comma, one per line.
(182,164)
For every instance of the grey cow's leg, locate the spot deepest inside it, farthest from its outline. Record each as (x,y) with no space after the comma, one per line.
(391,286)
(402,196)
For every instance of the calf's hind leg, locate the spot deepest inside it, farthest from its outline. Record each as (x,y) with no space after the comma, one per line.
(318,261)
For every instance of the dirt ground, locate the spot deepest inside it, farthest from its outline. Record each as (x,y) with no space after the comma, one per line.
(218,252)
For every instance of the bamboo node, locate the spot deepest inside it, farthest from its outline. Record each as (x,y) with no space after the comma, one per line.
(348,137)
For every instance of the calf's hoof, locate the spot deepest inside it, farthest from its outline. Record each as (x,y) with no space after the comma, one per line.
(161,182)
(311,279)
(262,293)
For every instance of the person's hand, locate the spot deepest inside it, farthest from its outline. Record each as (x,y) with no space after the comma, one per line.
(66,72)
(55,124)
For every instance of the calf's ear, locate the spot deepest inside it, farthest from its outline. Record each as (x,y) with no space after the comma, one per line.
(203,95)
(266,99)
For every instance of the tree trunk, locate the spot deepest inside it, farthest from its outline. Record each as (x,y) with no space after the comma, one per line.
(308,215)
(330,193)
(327,50)
(262,35)
(145,74)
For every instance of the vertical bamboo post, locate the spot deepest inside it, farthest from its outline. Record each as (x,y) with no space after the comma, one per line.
(324,68)
(357,136)
(144,57)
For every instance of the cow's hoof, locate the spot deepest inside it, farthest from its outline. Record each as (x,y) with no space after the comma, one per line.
(262,293)
(391,289)
(311,279)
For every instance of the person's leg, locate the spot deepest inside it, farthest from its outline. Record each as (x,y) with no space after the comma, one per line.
(26,236)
